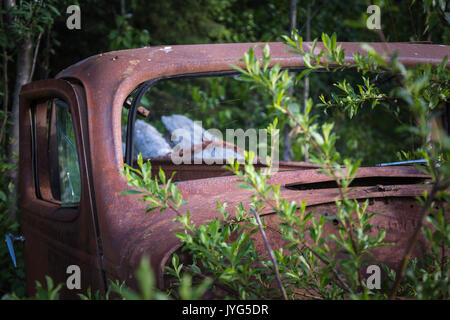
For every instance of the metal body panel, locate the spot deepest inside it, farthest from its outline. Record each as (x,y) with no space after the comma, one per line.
(56,236)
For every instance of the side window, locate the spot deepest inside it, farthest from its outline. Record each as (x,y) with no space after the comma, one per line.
(69,171)
(57,171)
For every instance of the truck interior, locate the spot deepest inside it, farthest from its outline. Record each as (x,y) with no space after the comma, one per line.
(182,123)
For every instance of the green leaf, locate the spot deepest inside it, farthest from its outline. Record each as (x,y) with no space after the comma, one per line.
(130,192)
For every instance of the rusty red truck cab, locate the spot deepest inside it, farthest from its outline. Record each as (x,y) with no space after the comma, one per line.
(72,148)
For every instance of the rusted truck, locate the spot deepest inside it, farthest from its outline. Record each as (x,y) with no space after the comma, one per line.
(74,139)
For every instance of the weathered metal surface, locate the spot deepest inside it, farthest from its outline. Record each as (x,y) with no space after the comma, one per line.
(56,236)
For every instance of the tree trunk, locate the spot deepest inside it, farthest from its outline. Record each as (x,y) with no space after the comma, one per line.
(287,153)
(5,90)
(306,88)
(293,16)
(45,69)
(122,7)
(22,77)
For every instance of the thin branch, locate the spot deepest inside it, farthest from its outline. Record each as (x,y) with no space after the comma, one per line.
(328,168)
(342,285)
(36,51)
(308,295)
(413,239)
(5,95)
(5,88)
(413,25)
(312,16)
(216,283)
(269,250)
(442,16)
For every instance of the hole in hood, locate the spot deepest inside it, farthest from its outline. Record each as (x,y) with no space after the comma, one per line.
(358,182)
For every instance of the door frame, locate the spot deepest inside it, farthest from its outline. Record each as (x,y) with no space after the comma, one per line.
(56,236)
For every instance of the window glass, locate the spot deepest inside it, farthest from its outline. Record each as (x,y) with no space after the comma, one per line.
(69,171)
(55,158)
(207,106)
(172,111)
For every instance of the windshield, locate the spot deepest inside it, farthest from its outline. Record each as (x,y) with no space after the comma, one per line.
(206,120)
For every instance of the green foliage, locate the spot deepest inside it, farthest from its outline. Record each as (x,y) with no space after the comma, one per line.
(28,19)
(50,292)
(234,263)
(120,291)
(424,90)
(308,267)
(148,186)
(127,37)
(430,277)
(224,253)
(146,282)
(11,279)
(25,20)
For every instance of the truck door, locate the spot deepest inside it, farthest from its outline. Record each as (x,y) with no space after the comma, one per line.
(56,199)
